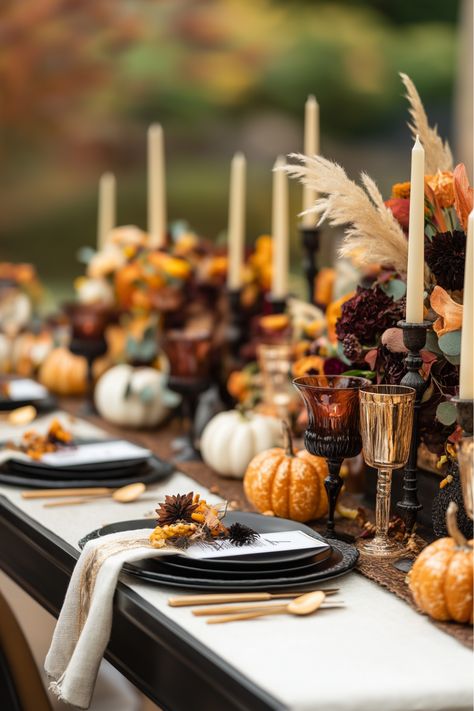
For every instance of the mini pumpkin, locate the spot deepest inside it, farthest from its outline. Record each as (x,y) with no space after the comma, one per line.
(442,576)
(64,373)
(231,439)
(289,485)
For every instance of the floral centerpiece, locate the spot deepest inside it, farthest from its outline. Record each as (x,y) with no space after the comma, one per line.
(376,234)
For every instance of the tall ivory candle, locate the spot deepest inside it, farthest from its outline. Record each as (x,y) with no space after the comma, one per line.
(466,371)
(156,187)
(416,236)
(236,226)
(280,231)
(106,218)
(311,148)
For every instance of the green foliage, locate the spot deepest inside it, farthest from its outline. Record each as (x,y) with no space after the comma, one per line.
(446,413)
(450,343)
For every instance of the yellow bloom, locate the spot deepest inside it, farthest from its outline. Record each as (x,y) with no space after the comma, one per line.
(401,190)
(177,268)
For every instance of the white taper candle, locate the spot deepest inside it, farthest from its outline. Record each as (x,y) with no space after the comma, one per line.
(106,215)
(236,225)
(157,221)
(311,148)
(280,231)
(416,237)
(466,370)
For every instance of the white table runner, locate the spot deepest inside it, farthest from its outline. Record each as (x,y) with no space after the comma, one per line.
(375,654)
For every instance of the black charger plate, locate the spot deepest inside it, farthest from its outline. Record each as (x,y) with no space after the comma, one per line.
(153,470)
(43,404)
(102,470)
(342,559)
(259,523)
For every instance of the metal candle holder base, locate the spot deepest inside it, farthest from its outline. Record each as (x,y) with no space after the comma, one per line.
(310,246)
(235,333)
(414,338)
(277,304)
(465,410)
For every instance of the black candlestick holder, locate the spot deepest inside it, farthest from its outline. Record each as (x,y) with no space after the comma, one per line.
(465,410)
(310,246)
(414,338)
(277,303)
(235,331)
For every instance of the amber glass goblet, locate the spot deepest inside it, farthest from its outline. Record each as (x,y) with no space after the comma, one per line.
(189,354)
(386,423)
(88,324)
(332,403)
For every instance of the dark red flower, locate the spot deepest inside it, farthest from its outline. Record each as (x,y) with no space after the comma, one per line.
(368,314)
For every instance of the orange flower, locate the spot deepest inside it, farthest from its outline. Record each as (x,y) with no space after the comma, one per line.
(323,287)
(307,364)
(333,312)
(442,184)
(274,322)
(238,385)
(401,190)
(449,311)
(463,194)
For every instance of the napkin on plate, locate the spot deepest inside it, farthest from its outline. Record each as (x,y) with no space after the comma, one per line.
(85,622)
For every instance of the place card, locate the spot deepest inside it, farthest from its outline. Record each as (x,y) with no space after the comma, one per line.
(26,389)
(95,453)
(265,544)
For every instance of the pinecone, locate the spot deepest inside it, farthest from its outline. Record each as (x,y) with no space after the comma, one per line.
(176,508)
(352,348)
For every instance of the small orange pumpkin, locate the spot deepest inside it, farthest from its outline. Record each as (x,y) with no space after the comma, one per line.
(64,373)
(287,484)
(442,575)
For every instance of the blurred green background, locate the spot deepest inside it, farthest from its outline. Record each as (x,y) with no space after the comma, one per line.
(82,80)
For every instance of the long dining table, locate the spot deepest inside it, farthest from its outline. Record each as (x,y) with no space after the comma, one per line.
(375,653)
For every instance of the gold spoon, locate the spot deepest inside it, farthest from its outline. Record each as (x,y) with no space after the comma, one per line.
(123,495)
(302,605)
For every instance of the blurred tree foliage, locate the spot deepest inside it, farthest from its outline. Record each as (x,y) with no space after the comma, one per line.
(81,80)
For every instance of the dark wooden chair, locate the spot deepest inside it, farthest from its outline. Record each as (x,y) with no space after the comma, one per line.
(21,688)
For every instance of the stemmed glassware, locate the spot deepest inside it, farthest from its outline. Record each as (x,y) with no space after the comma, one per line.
(275,361)
(189,354)
(88,324)
(332,404)
(386,423)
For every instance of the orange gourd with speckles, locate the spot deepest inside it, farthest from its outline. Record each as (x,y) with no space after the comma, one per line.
(286,484)
(442,576)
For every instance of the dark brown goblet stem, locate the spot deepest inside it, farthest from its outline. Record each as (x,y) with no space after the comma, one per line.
(414,338)
(310,245)
(333,486)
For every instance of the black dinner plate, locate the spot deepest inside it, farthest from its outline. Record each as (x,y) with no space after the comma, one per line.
(176,567)
(102,470)
(342,560)
(261,524)
(41,404)
(153,470)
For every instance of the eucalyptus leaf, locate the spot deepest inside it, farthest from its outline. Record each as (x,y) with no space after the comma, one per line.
(147,350)
(340,354)
(446,413)
(170,399)
(450,343)
(370,374)
(147,394)
(454,360)
(432,343)
(396,288)
(85,254)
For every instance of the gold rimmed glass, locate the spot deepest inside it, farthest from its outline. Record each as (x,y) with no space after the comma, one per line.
(466,473)
(386,423)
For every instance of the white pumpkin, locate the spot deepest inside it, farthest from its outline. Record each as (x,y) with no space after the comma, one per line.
(231,440)
(133,397)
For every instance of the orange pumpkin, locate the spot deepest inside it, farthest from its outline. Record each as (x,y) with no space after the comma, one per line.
(442,576)
(64,373)
(286,484)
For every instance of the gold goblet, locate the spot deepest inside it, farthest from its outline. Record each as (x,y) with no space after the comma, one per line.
(386,423)
(466,473)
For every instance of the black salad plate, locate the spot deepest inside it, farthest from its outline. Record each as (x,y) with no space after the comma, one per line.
(259,523)
(208,575)
(153,470)
(104,470)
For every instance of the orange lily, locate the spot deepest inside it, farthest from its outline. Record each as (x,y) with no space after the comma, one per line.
(448,310)
(463,194)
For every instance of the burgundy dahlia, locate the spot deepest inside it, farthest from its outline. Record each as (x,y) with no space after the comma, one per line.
(368,314)
(445,254)
(352,348)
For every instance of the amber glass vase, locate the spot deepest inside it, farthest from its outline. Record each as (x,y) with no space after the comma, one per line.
(332,403)
(189,354)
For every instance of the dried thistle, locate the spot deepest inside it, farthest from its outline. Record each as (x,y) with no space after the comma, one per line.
(438,154)
(372,233)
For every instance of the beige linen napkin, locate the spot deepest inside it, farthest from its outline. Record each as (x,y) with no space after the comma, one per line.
(85,622)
